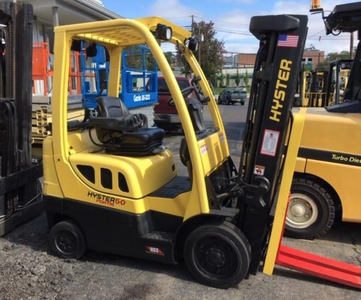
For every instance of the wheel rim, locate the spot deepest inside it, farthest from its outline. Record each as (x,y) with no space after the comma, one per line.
(215,258)
(302,211)
(66,242)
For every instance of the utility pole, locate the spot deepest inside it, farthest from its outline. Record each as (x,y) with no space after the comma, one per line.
(199,44)
(192,29)
(351,45)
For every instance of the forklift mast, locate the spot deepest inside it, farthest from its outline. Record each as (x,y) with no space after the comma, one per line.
(347,18)
(278,63)
(334,81)
(19,186)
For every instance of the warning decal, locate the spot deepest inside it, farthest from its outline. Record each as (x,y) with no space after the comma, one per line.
(204,149)
(259,170)
(270,142)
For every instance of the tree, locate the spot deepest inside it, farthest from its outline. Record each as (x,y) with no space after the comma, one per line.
(214,80)
(246,79)
(324,66)
(134,59)
(228,79)
(211,51)
(221,79)
(170,58)
(237,79)
(335,56)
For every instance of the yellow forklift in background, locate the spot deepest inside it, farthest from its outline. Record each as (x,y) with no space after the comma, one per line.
(328,167)
(339,73)
(313,89)
(111,186)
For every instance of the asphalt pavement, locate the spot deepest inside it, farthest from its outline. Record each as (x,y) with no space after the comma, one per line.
(29,270)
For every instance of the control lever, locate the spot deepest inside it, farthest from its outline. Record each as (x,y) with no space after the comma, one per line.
(254,193)
(196,79)
(205,100)
(249,194)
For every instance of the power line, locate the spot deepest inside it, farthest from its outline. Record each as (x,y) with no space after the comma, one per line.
(220,21)
(328,38)
(184,17)
(317,33)
(228,30)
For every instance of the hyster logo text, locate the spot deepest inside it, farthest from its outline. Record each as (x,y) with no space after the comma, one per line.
(106,200)
(280,91)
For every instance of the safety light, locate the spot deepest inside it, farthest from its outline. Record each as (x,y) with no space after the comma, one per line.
(163,32)
(192,44)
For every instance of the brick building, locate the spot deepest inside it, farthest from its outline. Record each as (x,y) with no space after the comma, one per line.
(246,60)
(311,57)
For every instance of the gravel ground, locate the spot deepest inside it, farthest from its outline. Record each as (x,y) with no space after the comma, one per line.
(30,271)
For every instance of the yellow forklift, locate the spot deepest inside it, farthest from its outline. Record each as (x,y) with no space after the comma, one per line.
(313,88)
(328,165)
(339,73)
(111,186)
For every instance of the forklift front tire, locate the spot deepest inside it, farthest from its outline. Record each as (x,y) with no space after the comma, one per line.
(311,211)
(67,240)
(217,255)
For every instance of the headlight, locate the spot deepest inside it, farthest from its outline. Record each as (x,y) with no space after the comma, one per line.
(192,44)
(163,32)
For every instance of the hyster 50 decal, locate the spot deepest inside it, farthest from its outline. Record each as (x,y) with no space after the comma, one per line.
(280,91)
(106,200)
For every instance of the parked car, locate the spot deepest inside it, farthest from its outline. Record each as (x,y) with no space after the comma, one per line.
(165,115)
(231,96)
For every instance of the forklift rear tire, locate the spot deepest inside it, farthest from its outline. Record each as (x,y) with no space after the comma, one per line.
(67,240)
(217,254)
(311,210)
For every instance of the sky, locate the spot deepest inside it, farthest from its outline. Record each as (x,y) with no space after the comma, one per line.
(231,18)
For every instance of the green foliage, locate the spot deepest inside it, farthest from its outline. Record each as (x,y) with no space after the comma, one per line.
(332,56)
(323,66)
(171,58)
(237,79)
(135,59)
(221,79)
(211,50)
(246,79)
(214,80)
(335,56)
(228,79)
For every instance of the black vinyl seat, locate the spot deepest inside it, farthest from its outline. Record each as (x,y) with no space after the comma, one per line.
(123,133)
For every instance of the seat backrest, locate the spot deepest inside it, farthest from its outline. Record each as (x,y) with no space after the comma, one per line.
(112,107)
(195,112)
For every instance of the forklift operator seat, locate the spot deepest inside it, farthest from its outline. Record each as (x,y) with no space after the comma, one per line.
(123,133)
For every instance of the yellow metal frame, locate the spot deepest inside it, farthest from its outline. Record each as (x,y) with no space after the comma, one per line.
(284,192)
(64,150)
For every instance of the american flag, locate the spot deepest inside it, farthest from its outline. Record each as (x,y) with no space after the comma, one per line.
(285,40)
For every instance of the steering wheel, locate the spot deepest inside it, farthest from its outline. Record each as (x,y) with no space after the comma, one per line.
(185,92)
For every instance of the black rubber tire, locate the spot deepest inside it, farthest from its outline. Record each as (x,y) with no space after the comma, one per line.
(66,234)
(219,243)
(242,102)
(325,207)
